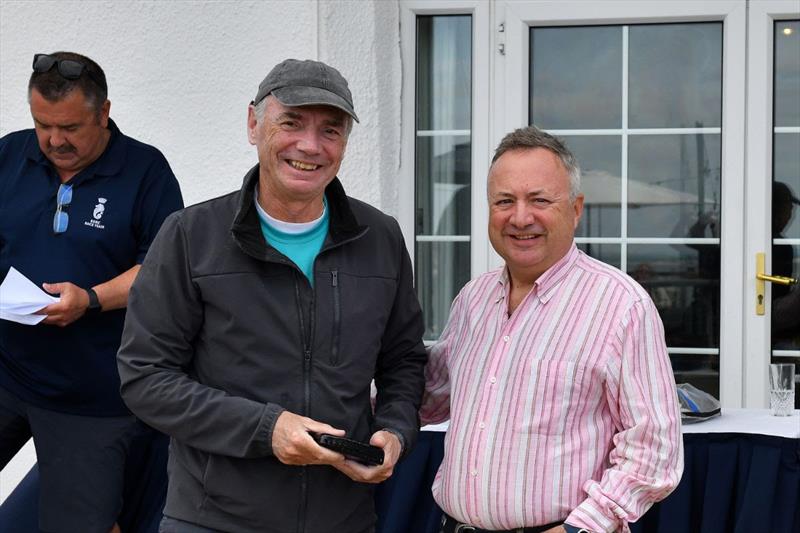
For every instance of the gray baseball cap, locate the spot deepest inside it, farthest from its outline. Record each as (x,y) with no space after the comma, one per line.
(297,83)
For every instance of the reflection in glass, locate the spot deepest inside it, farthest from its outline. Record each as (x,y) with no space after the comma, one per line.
(675,75)
(674,185)
(785,299)
(701,370)
(601,185)
(785,262)
(683,281)
(443,185)
(787,170)
(444,72)
(787,73)
(576,77)
(443,163)
(607,253)
(442,269)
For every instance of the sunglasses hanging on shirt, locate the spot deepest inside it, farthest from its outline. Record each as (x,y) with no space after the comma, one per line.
(63,199)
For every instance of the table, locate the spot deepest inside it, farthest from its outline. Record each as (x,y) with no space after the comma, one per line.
(741,475)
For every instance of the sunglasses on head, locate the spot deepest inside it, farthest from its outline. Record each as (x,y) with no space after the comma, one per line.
(69,69)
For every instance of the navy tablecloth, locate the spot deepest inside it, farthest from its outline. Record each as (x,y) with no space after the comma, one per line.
(732,483)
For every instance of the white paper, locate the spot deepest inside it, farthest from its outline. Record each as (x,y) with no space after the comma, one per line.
(20,298)
(29,320)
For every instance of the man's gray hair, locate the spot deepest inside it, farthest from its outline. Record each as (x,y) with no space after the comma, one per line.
(260,108)
(531,137)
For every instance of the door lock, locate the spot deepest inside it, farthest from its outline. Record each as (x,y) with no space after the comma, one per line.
(762,278)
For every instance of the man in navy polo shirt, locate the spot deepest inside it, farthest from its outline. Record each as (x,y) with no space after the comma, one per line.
(80,204)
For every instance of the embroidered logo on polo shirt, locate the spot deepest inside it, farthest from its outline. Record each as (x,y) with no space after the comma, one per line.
(97,214)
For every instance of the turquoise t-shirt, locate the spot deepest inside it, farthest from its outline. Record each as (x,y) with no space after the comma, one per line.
(301,247)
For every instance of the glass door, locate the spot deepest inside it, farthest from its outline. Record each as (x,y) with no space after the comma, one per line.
(650,97)
(772,310)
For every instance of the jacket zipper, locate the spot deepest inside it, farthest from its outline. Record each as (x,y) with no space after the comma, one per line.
(336,318)
(306,336)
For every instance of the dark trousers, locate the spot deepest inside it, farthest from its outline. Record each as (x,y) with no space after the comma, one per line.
(81,462)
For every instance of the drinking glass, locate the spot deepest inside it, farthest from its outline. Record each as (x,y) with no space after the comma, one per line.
(781,389)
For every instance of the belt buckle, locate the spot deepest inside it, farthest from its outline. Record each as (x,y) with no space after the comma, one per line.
(464,528)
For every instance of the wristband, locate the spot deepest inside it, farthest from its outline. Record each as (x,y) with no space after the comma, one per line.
(94,302)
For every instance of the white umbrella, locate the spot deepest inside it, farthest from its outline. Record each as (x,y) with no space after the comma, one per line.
(601,188)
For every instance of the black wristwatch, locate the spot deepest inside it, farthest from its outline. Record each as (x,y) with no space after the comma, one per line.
(572,529)
(94,302)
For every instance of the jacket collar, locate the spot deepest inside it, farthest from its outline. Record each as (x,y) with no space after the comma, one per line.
(109,163)
(246,229)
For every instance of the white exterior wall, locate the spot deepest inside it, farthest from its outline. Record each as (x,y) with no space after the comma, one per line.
(182,73)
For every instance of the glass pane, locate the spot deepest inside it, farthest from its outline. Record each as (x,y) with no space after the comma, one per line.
(572,70)
(442,269)
(444,72)
(785,300)
(701,370)
(600,162)
(787,73)
(675,75)
(607,253)
(787,171)
(683,281)
(443,163)
(785,303)
(443,185)
(674,185)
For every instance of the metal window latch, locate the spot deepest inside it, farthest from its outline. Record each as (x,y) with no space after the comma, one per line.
(501,46)
(762,278)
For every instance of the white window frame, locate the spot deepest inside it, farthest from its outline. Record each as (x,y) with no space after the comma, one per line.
(479,10)
(757,229)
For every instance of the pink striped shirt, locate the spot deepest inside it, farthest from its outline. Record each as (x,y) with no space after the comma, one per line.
(564,410)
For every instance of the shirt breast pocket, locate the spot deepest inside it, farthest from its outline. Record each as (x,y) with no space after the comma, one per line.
(556,396)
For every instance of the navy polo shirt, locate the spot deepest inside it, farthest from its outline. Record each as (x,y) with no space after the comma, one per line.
(118,205)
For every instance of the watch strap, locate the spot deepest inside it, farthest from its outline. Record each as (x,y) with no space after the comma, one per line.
(569,528)
(94,302)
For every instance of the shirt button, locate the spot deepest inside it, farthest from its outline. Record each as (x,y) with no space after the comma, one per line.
(506,338)
(492,379)
(474,473)
(481,425)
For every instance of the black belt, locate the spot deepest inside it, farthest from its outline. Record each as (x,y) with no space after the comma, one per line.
(451,525)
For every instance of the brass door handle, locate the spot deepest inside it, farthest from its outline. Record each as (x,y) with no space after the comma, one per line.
(762,277)
(780,280)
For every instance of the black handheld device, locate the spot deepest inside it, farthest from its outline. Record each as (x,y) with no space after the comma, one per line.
(352,449)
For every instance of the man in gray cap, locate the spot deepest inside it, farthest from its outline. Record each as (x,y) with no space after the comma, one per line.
(259,320)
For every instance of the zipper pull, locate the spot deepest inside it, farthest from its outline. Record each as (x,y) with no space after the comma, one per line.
(334,278)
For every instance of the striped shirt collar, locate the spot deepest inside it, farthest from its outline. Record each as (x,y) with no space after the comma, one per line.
(545,285)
